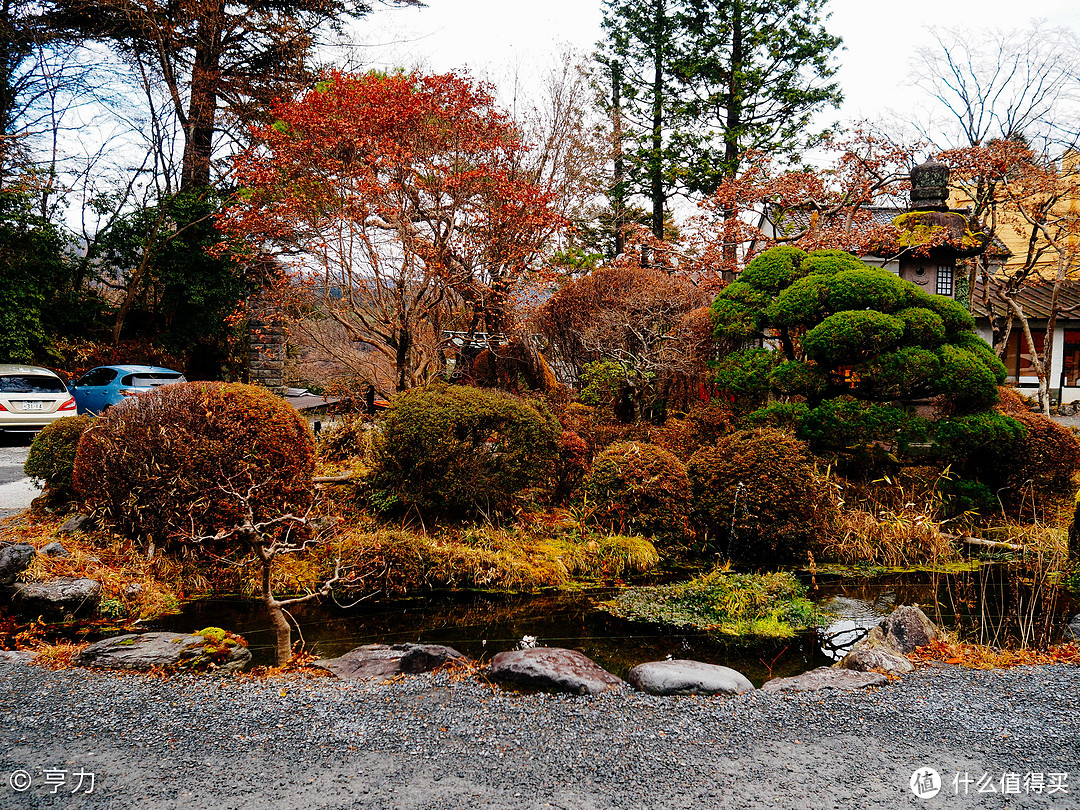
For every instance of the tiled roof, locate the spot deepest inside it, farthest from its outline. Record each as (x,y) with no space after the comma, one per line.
(1035,299)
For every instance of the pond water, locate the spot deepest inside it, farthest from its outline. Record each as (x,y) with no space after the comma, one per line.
(479,625)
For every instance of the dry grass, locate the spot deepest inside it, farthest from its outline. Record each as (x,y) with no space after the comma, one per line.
(979,656)
(57,656)
(888,538)
(131,586)
(893,522)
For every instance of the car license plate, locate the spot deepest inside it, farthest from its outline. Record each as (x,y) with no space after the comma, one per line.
(33,405)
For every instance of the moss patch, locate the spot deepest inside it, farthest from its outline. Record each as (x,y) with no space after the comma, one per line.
(759,605)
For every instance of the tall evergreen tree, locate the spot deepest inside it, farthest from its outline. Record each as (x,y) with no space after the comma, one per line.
(754,73)
(703,81)
(639,53)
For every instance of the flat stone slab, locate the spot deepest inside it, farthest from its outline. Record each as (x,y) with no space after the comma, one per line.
(16,657)
(63,596)
(865,659)
(552,668)
(825,678)
(682,677)
(145,651)
(387,661)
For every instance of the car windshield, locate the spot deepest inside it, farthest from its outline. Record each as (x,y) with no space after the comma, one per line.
(150,380)
(31,384)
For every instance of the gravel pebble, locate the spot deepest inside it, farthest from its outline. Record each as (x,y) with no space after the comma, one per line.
(432,742)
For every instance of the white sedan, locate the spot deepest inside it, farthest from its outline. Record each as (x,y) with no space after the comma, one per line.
(31,398)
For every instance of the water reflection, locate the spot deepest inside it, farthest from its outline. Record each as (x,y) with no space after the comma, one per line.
(992,604)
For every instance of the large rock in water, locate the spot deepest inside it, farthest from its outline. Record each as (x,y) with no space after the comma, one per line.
(144,651)
(681,677)
(887,644)
(63,596)
(552,668)
(385,661)
(14,559)
(825,678)
(905,629)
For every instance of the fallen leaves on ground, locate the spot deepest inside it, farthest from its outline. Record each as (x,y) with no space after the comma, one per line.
(978,656)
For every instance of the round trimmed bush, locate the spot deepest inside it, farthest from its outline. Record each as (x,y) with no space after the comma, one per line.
(191,458)
(852,335)
(775,269)
(1048,457)
(52,456)
(757,495)
(460,451)
(640,488)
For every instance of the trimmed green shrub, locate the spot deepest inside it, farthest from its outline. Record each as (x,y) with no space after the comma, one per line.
(847,424)
(461,451)
(922,327)
(738,312)
(803,303)
(865,287)
(831,262)
(851,336)
(52,456)
(968,383)
(786,416)
(744,376)
(774,270)
(901,373)
(968,496)
(978,441)
(793,378)
(640,488)
(757,495)
(190,459)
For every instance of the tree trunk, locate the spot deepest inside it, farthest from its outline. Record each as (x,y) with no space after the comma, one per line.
(656,167)
(731,130)
(202,109)
(282,632)
(618,197)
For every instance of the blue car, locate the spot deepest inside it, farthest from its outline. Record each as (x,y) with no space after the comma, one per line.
(104,387)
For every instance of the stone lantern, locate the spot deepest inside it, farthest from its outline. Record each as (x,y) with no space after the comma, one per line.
(931,237)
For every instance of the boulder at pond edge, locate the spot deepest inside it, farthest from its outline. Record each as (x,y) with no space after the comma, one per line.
(552,668)
(682,677)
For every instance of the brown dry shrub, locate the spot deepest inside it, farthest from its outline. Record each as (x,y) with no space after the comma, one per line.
(1011,401)
(640,488)
(178,461)
(759,497)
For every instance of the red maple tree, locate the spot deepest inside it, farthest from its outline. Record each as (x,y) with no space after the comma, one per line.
(402,201)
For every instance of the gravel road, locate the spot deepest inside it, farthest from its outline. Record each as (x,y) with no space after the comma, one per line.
(425,742)
(16,491)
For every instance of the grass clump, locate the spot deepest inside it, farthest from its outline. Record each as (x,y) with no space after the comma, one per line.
(764,605)
(516,559)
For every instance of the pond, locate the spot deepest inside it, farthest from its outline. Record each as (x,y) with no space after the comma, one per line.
(984,604)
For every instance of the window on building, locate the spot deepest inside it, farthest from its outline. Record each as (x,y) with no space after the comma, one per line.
(1070,371)
(944,280)
(1017,357)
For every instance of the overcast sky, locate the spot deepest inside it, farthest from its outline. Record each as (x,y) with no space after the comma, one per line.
(495,39)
